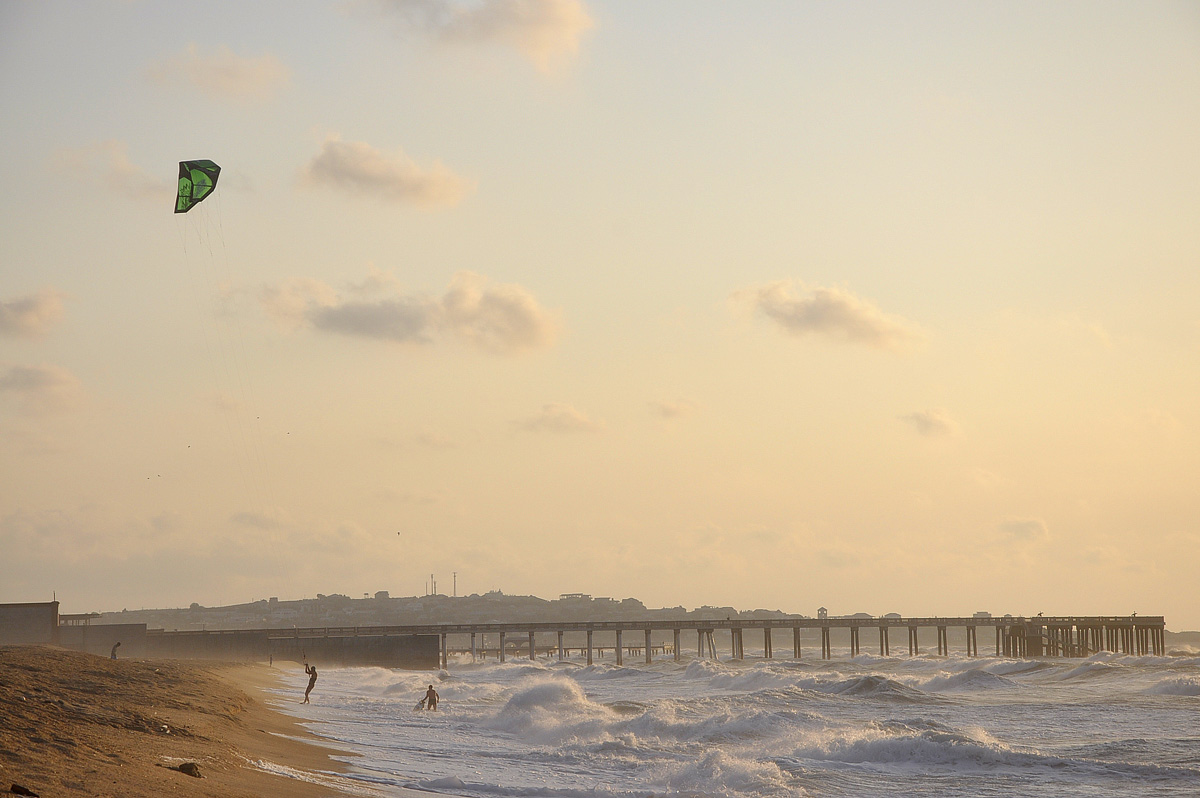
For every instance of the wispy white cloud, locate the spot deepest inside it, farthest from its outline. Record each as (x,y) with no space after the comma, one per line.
(989,480)
(107,163)
(223,74)
(672,408)
(831,312)
(358,168)
(931,423)
(544,31)
(403,319)
(1092,331)
(434,440)
(1023,529)
(502,319)
(30,316)
(557,417)
(257,519)
(40,388)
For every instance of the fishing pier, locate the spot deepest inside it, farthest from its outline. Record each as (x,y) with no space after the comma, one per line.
(1019,637)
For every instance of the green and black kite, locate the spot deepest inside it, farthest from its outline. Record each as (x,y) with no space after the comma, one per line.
(197,179)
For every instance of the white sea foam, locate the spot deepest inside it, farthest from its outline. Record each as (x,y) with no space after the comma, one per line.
(553,710)
(340,785)
(1179,685)
(1090,670)
(910,746)
(768,729)
(721,773)
(969,680)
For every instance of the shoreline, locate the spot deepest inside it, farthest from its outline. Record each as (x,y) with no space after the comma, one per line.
(74,724)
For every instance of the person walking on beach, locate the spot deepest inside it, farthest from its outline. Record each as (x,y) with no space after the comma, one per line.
(113,654)
(312,680)
(431,698)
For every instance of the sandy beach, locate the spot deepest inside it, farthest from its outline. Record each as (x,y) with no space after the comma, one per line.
(74,724)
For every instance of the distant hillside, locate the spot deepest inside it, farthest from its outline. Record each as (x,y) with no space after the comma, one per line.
(383,610)
(1180,640)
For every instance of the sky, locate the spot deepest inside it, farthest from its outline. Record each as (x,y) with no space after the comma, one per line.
(882,307)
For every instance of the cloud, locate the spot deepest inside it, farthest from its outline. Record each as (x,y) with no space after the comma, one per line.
(40,388)
(669,408)
(832,312)
(223,75)
(434,440)
(107,163)
(932,423)
(840,558)
(257,520)
(544,31)
(289,304)
(559,418)
(988,479)
(30,316)
(404,319)
(359,168)
(1092,331)
(1023,529)
(502,319)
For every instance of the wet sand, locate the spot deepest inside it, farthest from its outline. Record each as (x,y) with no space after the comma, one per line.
(73,724)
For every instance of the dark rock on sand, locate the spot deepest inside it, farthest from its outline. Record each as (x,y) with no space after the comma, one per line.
(190,768)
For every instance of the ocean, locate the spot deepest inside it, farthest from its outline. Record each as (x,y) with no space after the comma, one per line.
(1109,725)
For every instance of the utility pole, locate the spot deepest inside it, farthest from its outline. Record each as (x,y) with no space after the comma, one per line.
(455,583)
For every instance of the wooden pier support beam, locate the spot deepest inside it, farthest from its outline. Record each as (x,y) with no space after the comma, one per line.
(474,651)
(768,653)
(561,651)
(502,647)
(675,634)
(854,641)
(445,652)
(620,649)
(796,642)
(884,648)
(826,646)
(647,646)
(913,647)
(589,646)
(706,643)
(532,650)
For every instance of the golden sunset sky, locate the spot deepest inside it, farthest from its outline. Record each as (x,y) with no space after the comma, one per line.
(873,306)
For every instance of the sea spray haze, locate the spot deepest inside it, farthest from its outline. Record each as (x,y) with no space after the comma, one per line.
(867,726)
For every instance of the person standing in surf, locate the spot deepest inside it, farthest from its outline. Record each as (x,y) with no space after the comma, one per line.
(312,680)
(431,698)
